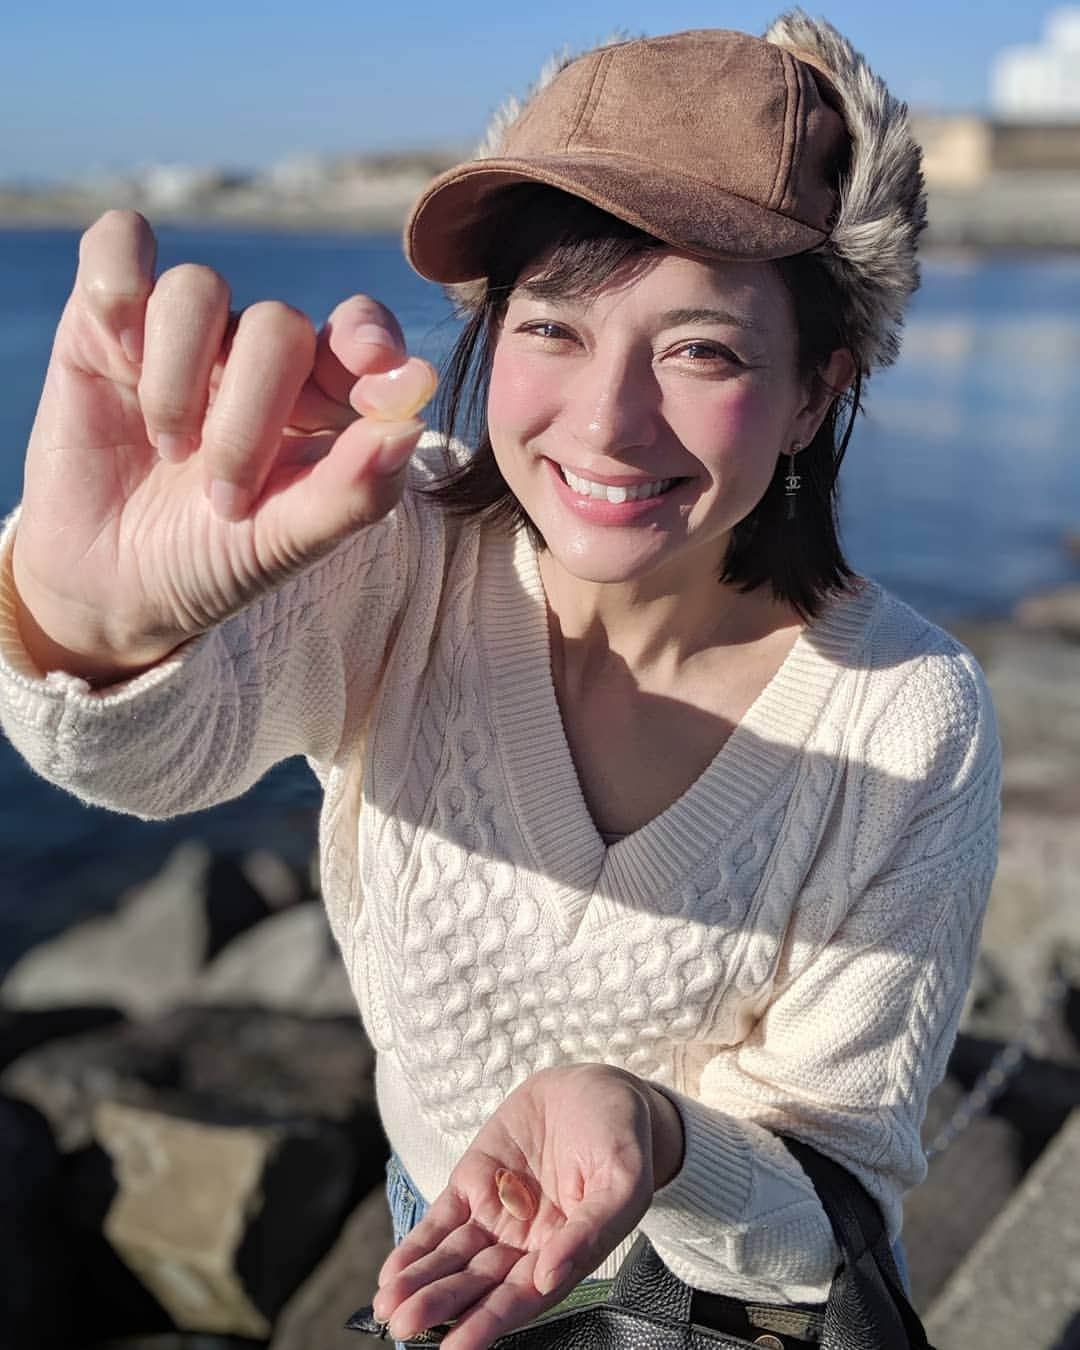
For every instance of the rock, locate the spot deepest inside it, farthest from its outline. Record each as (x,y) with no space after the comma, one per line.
(23,1030)
(146,956)
(206,1214)
(271,1065)
(143,958)
(178,1340)
(289,961)
(111,1301)
(1057,611)
(278,884)
(1032,914)
(233,901)
(35,1248)
(967,1184)
(259,1065)
(344,1280)
(65,1079)
(1020,1284)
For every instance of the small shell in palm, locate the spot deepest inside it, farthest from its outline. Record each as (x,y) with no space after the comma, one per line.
(515,1196)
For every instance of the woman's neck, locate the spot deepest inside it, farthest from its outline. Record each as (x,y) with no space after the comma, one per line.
(651,629)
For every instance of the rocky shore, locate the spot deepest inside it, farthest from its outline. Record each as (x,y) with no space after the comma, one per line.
(191,1158)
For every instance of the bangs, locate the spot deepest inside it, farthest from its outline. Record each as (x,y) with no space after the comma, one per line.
(563,247)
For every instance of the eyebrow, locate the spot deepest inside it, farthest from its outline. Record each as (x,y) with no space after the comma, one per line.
(674,317)
(671,318)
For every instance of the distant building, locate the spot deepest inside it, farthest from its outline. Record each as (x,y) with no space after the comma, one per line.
(1041,83)
(176,186)
(957,149)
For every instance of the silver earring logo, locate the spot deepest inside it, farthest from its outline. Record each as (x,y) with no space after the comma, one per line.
(792,481)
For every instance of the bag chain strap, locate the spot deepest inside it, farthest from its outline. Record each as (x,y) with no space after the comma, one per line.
(1005,1065)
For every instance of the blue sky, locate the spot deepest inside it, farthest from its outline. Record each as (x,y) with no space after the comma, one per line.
(111,84)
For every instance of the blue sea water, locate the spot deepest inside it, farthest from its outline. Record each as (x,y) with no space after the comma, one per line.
(960,483)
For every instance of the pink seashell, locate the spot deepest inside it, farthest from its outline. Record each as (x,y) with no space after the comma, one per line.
(395,395)
(515,1196)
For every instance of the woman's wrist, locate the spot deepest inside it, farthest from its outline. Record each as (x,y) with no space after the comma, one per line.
(668,1139)
(95,664)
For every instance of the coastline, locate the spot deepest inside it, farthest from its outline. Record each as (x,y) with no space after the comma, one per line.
(1016,211)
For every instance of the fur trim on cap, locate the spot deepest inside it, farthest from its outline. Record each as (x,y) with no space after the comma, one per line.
(871,250)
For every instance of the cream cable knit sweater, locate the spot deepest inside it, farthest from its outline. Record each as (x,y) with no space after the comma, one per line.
(786,948)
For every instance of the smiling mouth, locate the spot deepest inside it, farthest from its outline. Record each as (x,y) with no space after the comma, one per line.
(616,494)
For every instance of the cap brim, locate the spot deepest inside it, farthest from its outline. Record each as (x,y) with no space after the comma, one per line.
(448,232)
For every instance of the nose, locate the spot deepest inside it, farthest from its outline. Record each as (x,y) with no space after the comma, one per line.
(612,402)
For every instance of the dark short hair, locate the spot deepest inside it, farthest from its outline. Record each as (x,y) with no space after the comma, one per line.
(800,558)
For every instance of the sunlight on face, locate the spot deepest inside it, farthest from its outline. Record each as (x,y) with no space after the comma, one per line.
(637,425)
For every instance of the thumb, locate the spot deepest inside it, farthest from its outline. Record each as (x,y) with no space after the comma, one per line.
(357,483)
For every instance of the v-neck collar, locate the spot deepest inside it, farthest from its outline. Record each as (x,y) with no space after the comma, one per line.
(648,863)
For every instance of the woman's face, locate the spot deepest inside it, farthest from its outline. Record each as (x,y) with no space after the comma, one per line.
(638,425)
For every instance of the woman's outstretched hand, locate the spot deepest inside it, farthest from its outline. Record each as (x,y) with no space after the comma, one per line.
(185,459)
(554,1181)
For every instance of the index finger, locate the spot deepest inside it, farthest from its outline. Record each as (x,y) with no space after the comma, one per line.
(115,276)
(361,337)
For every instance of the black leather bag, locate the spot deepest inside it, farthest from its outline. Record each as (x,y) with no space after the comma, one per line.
(646,1307)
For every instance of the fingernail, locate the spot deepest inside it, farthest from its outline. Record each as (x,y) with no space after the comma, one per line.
(228,500)
(546,1284)
(395,451)
(394,395)
(377,336)
(174,449)
(131,340)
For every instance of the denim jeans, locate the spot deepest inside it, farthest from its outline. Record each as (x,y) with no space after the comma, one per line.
(408,1207)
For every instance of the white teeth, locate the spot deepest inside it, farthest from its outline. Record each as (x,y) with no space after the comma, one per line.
(585,487)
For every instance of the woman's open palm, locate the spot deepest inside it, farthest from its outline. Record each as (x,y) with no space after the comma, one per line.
(185,459)
(571,1151)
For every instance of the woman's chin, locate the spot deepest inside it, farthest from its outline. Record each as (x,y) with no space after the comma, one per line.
(601,566)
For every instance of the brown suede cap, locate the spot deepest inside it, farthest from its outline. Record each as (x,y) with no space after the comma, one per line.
(717,142)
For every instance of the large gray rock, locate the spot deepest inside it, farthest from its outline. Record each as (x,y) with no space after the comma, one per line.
(1020,1284)
(209,1215)
(966,1186)
(344,1280)
(260,1065)
(1033,915)
(142,958)
(289,961)
(147,955)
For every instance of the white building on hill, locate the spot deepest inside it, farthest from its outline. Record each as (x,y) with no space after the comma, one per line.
(1041,83)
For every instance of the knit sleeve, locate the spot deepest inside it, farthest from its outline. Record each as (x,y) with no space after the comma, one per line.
(858,1031)
(293,673)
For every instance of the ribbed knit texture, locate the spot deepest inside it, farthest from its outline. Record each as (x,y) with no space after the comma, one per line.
(786,948)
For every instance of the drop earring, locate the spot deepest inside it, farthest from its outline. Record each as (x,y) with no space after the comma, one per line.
(792,481)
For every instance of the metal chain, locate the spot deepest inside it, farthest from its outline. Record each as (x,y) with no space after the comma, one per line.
(995,1078)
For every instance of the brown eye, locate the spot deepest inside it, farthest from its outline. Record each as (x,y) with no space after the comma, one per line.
(545,330)
(709,351)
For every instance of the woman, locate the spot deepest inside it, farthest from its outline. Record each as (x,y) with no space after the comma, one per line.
(650,831)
